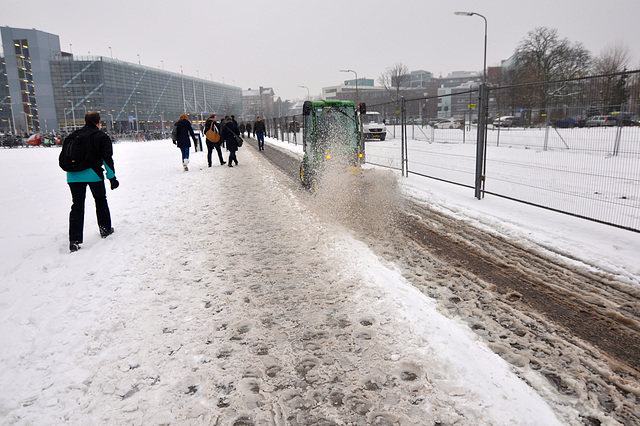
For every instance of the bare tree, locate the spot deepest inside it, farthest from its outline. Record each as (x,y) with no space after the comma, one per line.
(544,56)
(541,57)
(613,88)
(613,58)
(394,79)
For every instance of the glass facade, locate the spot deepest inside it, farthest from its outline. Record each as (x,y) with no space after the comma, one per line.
(27,53)
(50,90)
(6,122)
(133,97)
(27,100)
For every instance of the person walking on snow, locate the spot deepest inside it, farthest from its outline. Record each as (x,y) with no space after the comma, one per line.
(101,151)
(259,129)
(212,124)
(229,129)
(248,126)
(184,131)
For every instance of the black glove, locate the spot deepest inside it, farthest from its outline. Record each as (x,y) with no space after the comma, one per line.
(114,183)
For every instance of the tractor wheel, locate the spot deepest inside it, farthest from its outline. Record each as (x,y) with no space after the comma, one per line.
(305,177)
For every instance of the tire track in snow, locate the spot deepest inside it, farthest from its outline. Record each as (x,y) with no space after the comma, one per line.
(574,327)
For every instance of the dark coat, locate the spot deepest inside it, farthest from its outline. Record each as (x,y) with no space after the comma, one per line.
(228,130)
(184,131)
(207,127)
(249,127)
(102,155)
(258,127)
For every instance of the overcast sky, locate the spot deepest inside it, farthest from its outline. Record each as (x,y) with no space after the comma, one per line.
(289,43)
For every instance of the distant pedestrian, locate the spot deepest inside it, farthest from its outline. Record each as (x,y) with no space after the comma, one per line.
(229,129)
(101,152)
(259,129)
(248,127)
(212,124)
(184,131)
(242,128)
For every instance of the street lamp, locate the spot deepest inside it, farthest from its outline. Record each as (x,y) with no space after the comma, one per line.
(357,97)
(483,109)
(484,68)
(73,111)
(305,87)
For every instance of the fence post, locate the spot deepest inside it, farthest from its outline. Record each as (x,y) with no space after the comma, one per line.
(481,147)
(616,144)
(403,139)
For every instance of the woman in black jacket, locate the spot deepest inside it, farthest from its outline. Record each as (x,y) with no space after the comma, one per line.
(229,129)
(184,131)
(212,124)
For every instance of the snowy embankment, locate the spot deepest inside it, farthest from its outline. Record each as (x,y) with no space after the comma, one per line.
(220,299)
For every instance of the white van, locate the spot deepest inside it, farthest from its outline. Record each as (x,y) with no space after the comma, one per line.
(372,126)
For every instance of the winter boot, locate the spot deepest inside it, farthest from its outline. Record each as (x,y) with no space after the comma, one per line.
(104,233)
(185,163)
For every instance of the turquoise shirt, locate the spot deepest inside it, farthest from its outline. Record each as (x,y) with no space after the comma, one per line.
(89,175)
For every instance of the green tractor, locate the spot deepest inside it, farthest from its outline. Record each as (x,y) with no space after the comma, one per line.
(331,140)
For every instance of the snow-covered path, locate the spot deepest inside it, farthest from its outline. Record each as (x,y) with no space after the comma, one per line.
(222,300)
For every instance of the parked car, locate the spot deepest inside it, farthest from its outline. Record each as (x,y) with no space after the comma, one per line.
(504,121)
(569,123)
(598,120)
(449,123)
(622,119)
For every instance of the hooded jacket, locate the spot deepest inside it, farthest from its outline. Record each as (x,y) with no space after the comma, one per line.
(184,131)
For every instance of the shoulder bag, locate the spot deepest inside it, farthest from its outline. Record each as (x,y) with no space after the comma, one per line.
(238,139)
(211,134)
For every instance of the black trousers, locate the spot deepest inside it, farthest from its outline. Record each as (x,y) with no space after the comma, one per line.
(210,146)
(76,217)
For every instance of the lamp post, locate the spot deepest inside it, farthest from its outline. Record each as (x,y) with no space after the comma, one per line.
(357,97)
(483,110)
(484,68)
(111,51)
(13,118)
(305,87)
(184,102)
(73,112)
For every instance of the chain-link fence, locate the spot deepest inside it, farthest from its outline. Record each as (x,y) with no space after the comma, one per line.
(572,146)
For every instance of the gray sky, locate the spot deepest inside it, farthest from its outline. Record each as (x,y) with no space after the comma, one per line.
(285,43)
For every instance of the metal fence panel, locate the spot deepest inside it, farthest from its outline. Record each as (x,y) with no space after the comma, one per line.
(544,144)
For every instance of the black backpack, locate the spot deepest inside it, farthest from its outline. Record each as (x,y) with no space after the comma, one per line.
(174,133)
(76,154)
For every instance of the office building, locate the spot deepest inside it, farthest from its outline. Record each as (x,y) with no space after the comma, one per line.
(50,90)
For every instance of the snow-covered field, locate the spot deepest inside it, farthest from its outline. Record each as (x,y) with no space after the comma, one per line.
(221,300)
(571,170)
